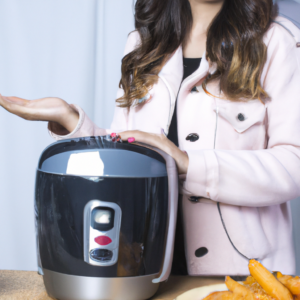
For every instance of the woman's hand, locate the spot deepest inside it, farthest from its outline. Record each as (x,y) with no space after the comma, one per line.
(45,109)
(161,142)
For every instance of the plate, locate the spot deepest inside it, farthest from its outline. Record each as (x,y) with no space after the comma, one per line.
(201,292)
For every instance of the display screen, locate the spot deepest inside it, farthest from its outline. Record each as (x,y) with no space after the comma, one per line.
(102,216)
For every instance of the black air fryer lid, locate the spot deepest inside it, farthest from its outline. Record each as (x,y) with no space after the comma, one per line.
(97,156)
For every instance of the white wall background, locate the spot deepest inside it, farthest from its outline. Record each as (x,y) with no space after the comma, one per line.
(70,49)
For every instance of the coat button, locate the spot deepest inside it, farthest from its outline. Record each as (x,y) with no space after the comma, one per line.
(194,199)
(201,252)
(241,117)
(192,137)
(298,45)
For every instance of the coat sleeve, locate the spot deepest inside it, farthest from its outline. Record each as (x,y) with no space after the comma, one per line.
(85,126)
(259,177)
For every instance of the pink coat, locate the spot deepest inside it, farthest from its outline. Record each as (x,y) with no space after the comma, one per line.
(250,164)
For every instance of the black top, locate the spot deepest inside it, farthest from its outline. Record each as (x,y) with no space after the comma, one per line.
(179,266)
(190,65)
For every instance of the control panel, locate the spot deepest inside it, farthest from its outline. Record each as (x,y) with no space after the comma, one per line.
(102,222)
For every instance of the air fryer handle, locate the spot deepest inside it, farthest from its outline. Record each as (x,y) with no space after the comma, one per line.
(173,205)
(172,212)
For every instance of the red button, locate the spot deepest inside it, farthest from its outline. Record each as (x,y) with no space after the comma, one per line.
(103,240)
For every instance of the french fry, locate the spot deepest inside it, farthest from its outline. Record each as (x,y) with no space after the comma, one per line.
(292,283)
(249,280)
(255,288)
(220,296)
(238,289)
(268,282)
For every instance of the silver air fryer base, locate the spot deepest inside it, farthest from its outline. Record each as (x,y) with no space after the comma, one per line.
(69,287)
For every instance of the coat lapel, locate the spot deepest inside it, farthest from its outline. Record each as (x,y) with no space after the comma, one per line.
(172,71)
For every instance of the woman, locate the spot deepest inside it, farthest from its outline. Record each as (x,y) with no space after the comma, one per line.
(237,116)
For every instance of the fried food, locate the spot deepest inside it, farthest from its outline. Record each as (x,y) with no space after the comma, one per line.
(255,288)
(220,296)
(261,285)
(239,289)
(268,282)
(292,283)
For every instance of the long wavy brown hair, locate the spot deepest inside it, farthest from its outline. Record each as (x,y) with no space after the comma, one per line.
(234,43)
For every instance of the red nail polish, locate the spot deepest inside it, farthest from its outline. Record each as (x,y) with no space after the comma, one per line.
(113,134)
(131,140)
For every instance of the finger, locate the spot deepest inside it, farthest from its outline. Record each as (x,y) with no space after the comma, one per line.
(5,103)
(142,137)
(9,102)
(16,106)
(16,100)
(129,133)
(139,136)
(159,141)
